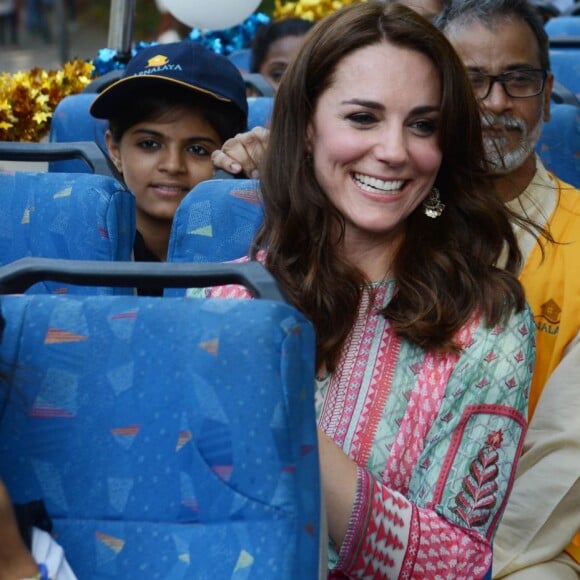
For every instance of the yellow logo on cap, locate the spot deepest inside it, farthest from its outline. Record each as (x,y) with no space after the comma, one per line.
(158,60)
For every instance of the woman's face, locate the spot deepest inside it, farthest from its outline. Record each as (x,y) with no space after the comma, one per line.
(278,57)
(163,159)
(374,139)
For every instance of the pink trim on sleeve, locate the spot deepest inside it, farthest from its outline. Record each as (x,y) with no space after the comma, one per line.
(358,521)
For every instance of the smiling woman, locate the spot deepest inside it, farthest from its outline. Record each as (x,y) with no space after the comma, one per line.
(376,156)
(175,104)
(382,227)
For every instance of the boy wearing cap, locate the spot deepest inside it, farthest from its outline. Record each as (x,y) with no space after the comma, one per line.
(174,105)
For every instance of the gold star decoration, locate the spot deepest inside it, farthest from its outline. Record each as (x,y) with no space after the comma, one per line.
(28,99)
(308,9)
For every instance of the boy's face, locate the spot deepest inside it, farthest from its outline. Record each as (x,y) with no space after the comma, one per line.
(279,56)
(162,160)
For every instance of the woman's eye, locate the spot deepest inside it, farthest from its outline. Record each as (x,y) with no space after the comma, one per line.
(362,118)
(148,144)
(425,126)
(276,75)
(198,150)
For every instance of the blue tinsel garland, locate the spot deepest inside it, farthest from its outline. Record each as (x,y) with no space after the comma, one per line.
(221,41)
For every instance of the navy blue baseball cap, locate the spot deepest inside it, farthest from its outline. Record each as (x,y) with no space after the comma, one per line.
(185,64)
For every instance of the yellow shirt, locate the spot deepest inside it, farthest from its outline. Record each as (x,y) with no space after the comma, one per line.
(552,284)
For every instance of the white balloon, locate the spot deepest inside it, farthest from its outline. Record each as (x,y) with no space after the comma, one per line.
(211,14)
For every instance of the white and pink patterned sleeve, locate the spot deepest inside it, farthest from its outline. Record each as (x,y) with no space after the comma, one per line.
(226,291)
(229,291)
(444,523)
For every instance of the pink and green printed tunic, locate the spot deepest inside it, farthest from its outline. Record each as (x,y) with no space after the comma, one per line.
(436,439)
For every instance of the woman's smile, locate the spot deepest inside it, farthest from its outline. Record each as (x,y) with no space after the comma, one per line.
(376,185)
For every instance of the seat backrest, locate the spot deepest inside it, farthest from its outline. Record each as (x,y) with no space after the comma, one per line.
(258,84)
(565,64)
(161,442)
(71,121)
(93,158)
(562,94)
(563,25)
(101,82)
(573,9)
(72,216)
(260,111)
(559,144)
(215,222)
(242,59)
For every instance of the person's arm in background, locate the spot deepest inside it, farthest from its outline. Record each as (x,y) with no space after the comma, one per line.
(242,153)
(540,520)
(16,562)
(24,527)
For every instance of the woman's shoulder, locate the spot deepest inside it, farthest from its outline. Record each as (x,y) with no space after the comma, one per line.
(227,290)
(516,326)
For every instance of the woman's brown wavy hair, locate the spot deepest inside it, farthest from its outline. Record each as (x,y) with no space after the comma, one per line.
(444,267)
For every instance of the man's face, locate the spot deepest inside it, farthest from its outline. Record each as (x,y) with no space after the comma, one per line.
(511,126)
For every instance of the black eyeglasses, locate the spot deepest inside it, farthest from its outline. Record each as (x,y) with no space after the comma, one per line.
(518,84)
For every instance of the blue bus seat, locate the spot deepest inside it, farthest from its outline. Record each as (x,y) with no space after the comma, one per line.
(565,65)
(162,443)
(70,216)
(563,25)
(260,111)
(559,144)
(241,59)
(561,94)
(215,222)
(573,9)
(71,121)
(258,84)
(90,157)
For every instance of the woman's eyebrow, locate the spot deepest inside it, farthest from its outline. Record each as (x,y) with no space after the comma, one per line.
(364,103)
(420,110)
(160,135)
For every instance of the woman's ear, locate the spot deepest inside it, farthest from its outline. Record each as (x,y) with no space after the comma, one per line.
(114,151)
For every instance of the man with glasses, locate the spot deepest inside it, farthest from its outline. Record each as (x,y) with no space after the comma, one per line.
(505,49)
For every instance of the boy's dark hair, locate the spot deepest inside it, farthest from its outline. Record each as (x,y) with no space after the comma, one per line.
(268,34)
(225,118)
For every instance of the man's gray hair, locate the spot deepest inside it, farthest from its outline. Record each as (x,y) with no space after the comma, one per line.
(488,12)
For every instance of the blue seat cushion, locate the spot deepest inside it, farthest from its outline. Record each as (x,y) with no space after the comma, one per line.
(70,216)
(559,144)
(168,437)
